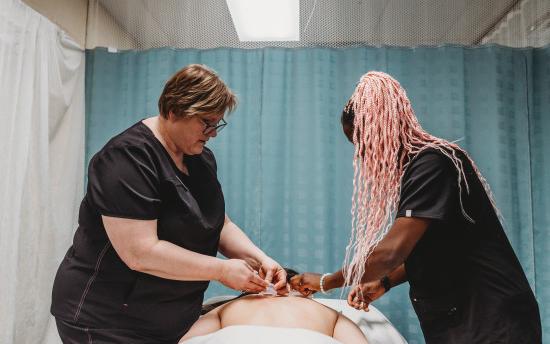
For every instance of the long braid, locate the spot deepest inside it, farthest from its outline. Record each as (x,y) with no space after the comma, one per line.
(386,136)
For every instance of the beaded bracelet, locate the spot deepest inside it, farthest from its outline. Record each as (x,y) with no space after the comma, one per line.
(321,283)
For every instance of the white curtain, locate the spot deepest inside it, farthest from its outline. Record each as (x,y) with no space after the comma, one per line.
(41,166)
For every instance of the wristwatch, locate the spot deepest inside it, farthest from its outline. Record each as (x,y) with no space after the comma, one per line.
(386,283)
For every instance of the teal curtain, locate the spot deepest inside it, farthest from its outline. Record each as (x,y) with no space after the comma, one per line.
(286,168)
(539,144)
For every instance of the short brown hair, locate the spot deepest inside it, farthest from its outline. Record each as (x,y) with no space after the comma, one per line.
(196,89)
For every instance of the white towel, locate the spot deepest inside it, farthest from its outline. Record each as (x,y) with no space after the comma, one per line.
(248,334)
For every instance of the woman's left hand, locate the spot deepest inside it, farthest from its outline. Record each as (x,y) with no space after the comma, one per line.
(272,272)
(361,296)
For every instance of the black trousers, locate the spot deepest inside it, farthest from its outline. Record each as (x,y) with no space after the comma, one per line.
(76,334)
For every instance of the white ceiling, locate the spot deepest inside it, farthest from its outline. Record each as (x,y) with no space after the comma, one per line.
(208,24)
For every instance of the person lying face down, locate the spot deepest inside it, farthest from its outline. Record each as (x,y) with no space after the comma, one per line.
(299,312)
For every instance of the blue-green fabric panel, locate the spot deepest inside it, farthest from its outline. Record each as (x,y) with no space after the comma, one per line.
(286,168)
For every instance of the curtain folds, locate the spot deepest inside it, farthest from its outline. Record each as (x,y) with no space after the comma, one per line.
(42,149)
(286,167)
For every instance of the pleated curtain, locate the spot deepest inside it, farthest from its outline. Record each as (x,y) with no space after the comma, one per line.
(286,167)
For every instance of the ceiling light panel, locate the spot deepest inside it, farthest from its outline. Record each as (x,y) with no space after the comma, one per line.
(266,20)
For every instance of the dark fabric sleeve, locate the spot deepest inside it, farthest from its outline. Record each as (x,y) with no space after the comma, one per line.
(429,188)
(210,160)
(123,182)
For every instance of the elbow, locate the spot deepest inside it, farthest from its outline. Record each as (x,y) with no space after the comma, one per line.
(133,263)
(139,257)
(135,266)
(136,260)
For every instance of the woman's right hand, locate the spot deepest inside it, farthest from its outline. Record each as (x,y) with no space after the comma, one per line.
(306,283)
(237,274)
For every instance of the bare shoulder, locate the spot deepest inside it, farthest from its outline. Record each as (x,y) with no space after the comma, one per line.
(267,301)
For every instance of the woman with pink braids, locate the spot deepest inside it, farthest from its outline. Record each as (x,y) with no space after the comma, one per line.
(423,213)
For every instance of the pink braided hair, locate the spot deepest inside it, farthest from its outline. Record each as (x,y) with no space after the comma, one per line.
(386,136)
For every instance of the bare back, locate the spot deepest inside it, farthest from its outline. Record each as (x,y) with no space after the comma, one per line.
(290,312)
(284,312)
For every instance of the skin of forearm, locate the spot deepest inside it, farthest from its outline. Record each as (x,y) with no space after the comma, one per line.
(397,276)
(166,260)
(393,250)
(235,244)
(337,280)
(334,280)
(381,263)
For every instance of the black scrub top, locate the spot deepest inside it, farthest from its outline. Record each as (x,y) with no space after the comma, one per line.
(466,283)
(134,177)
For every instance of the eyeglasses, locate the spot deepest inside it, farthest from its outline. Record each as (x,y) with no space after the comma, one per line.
(209,128)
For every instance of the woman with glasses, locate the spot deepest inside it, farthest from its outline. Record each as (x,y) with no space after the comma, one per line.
(151,223)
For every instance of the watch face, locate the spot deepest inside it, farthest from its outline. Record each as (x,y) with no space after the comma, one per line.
(386,283)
